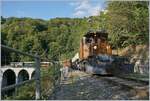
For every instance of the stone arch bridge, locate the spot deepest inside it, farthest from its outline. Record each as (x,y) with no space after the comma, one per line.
(11,75)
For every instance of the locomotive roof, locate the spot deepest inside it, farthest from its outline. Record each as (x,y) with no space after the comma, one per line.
(101,33)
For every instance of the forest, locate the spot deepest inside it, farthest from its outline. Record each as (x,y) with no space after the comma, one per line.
(126,22)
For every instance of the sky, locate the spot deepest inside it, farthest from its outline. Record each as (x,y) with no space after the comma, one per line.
(47,9)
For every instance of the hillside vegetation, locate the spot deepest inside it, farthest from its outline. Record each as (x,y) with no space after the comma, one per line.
(58,39)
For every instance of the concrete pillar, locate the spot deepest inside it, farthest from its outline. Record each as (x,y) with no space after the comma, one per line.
(30,75)
(17,79)
(16,89)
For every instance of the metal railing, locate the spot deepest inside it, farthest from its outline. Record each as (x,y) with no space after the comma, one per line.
(37,73)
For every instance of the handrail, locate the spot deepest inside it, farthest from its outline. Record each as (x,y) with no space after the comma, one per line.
(17,51)
(37,70)
(16,85)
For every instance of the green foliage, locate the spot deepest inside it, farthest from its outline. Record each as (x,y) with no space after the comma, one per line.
(25,92)
(49,79)
(55,39)
(59,38)
(127,22)
(52,71)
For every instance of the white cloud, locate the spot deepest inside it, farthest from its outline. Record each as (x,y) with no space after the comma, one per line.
(79,13)
(85,8)
(95,11)
(83,5)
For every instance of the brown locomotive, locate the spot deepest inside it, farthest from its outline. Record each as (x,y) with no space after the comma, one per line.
(94,43)
(95,55)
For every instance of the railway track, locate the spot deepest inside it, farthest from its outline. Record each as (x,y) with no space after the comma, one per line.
(93,87)
(133,84)
(124,81)
(139,88)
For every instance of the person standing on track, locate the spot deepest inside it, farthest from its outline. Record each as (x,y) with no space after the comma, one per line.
(65,71)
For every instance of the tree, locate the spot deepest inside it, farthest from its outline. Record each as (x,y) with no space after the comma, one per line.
(127,18)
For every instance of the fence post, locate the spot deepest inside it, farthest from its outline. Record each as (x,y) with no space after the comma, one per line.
(37,78)
(1,76)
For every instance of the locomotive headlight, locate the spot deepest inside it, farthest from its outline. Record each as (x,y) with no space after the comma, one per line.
(108,47)
(95,47)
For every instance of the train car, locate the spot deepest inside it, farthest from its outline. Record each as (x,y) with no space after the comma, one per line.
(95,53)
(94,43)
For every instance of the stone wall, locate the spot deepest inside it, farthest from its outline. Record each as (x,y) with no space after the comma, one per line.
(138,56)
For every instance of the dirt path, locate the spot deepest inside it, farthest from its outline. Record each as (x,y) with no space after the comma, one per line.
(81,86)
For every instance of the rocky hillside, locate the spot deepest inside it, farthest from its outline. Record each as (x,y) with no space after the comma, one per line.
(138,55)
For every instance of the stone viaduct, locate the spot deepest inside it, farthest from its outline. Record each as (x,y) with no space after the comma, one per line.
(10,75)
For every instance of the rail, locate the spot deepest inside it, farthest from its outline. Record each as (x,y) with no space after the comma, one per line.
(37,72)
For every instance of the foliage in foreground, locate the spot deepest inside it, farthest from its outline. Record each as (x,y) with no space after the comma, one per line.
(49,79)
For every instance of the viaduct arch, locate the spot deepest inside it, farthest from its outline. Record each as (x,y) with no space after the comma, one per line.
(16,75)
